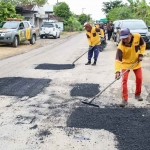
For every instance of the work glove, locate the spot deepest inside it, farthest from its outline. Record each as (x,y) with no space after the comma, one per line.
(117,76)
(140,58)
(90,48)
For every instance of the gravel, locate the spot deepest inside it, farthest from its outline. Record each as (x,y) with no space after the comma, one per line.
(85,89)
(55,66)
(18,86)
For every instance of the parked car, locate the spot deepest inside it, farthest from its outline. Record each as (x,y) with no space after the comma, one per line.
(135,26)
(14,31)
(115,25)
(49,29)
(1,24)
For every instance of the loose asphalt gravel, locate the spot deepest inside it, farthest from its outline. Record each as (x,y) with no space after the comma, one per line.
(20,87)
(55,66)
(130,125)
(85,90)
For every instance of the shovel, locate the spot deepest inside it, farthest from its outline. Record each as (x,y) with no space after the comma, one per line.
(90,102)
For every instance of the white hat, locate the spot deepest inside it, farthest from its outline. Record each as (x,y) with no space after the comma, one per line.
(85,23)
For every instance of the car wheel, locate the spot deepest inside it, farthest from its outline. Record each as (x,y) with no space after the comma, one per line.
(115,38)
(15,42)
(55,37)
(33,39)
(59,35)
(41,36)
(147,47)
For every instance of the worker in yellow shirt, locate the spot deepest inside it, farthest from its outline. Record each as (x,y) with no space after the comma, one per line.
(92,34)
(130,49)
(101,34)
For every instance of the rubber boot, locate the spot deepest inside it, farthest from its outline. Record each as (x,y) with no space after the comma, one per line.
(89,62)
(94,63)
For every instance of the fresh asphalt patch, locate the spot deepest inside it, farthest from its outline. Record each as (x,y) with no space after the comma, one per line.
(55,66)
(85,90)
(20,87)
(130,125)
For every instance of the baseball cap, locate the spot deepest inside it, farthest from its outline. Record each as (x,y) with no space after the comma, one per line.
(124,33)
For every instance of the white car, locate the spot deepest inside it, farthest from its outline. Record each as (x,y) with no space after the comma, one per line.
(49,29)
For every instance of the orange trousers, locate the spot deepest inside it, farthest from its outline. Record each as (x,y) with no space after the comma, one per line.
(138,75)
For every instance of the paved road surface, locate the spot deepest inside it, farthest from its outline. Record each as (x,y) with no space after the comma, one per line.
(40,106)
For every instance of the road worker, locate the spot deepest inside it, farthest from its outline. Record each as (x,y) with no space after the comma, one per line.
(130,49)
(92,34)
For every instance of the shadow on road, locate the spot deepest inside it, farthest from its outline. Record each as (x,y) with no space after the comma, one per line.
(130,125)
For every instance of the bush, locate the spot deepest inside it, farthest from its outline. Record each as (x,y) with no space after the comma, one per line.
(72,25)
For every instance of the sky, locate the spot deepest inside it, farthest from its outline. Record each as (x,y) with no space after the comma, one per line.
(92,7)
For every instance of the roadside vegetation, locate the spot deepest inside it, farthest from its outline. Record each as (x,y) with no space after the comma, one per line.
(72,22)
(133,9)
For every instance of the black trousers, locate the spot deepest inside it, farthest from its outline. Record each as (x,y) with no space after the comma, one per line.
(109,34)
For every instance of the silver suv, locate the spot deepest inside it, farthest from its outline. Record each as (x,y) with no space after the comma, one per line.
(49,29)
(135,26)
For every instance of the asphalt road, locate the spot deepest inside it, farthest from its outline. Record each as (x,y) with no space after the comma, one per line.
(40,102)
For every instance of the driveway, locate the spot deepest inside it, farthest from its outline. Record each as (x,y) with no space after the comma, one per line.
(40,101)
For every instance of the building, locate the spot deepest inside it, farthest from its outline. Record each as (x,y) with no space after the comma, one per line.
(36,15)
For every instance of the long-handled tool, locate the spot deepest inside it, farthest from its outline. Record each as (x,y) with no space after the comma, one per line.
(96,105)
(84,54)
(79,58)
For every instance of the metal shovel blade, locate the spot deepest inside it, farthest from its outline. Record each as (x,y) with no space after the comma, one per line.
(89,103)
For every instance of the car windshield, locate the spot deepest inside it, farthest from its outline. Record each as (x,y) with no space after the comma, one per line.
(134,25)
(48,25)
(10,25)
(1,24)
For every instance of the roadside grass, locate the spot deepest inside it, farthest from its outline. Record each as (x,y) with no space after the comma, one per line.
(70,33)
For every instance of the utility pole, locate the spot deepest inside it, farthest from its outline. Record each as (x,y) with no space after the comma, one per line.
(89,17)
(57,1)
(83,9)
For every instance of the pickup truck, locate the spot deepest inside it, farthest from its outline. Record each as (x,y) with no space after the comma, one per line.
(15,31)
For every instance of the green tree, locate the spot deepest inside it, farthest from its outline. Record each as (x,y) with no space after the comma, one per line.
(28,2)
(7,10)
(73,25)
(107,6)
(143,11)
(83,18)
(120,13)
(62,10)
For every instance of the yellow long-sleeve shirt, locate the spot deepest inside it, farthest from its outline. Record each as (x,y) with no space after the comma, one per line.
(93,37)
(127,55)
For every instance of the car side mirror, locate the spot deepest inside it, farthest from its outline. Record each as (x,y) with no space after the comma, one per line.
(148,27)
